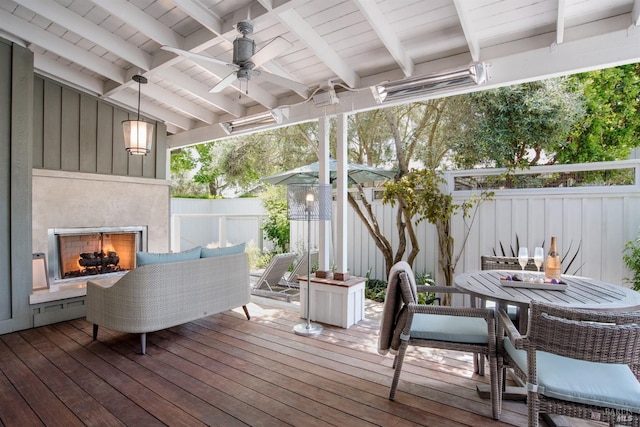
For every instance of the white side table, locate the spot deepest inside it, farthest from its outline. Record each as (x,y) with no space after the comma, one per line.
(333,302)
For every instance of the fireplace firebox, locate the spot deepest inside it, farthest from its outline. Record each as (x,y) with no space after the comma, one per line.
(84,252)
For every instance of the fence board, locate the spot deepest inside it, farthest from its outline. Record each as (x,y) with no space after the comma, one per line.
(600,219)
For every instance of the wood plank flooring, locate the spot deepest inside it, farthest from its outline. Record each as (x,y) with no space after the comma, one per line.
(225,370)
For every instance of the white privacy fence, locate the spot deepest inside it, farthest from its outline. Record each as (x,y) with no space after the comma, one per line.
(221,222)
(594,221)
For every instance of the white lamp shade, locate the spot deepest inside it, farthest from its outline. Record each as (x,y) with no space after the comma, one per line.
(138,136)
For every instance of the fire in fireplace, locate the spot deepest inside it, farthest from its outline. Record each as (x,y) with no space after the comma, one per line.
(89,252)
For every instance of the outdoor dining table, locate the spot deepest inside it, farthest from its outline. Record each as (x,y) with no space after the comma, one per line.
(580,292)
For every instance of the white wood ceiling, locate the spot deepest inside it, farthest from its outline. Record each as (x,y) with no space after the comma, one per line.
(98,45)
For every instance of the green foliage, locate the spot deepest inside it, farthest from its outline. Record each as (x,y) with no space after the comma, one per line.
(611,127)
(182,185)
(250,157)
(263,259)
(376,290)
(631,257)
(256,257)
(520,125)
(421,193)
(276,225)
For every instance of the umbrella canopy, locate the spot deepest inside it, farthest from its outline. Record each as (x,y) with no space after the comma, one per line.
(308,174)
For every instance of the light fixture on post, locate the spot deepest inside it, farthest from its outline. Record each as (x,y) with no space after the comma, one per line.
(138,134)
(473,75)
(308,202)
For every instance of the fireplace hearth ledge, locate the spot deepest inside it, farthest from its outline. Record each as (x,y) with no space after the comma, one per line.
(71,289)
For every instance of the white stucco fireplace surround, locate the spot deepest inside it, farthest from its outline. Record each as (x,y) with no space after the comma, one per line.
(66,200)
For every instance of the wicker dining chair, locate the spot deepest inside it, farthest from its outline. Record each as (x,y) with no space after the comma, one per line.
(577,363)
(505,263)
(406,322)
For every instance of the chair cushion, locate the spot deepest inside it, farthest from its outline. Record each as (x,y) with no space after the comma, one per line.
(227,250)
(146,258)
(602,384)
(449,328)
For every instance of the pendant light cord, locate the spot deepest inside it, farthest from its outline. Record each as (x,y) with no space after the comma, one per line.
(139,89)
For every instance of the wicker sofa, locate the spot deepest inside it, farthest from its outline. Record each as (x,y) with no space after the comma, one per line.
(158,296)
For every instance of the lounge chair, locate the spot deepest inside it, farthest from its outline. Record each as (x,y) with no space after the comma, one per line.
(268,284)
(300,269)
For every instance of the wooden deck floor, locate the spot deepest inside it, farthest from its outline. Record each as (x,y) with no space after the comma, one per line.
(225,370)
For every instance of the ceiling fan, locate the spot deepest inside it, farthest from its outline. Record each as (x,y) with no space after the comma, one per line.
(246,59)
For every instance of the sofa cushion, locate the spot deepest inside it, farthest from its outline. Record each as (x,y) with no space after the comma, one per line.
(146,258)
(227,250)
(592,383)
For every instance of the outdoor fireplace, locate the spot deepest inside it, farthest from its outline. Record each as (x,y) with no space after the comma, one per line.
(87,252)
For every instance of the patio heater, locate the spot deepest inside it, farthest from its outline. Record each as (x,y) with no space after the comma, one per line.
(308,202)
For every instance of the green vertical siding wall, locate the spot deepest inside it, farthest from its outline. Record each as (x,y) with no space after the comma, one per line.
(5,181)
(76,132)
(16,134)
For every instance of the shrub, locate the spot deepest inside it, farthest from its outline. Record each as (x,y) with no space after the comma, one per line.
(276,225)
(376,290)
(631,257)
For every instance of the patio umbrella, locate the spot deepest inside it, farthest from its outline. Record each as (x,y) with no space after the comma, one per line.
(308,174)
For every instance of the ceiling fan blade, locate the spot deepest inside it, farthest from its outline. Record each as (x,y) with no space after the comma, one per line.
(222,84)
(195,56)
(272,49)
(284,82)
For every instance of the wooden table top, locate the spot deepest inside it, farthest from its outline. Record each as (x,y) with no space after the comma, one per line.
(581,292)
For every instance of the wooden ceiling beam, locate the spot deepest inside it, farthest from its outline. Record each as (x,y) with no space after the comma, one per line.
(306,34)
(562,5)
(462,8)
(387,35)
(60,47)
(88,30)
(201,91)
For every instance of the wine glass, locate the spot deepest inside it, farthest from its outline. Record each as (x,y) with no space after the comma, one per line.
(523,259)
(538,258)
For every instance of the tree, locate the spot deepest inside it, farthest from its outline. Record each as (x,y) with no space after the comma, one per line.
(611,126)
(199,164)
(421,192)
(415,132)
(209,172)
(248,158)
(519,126)
(181,164)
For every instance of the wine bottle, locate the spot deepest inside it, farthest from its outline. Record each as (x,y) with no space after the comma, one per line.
(553,266)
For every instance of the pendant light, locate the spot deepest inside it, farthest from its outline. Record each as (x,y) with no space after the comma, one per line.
(138,134)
